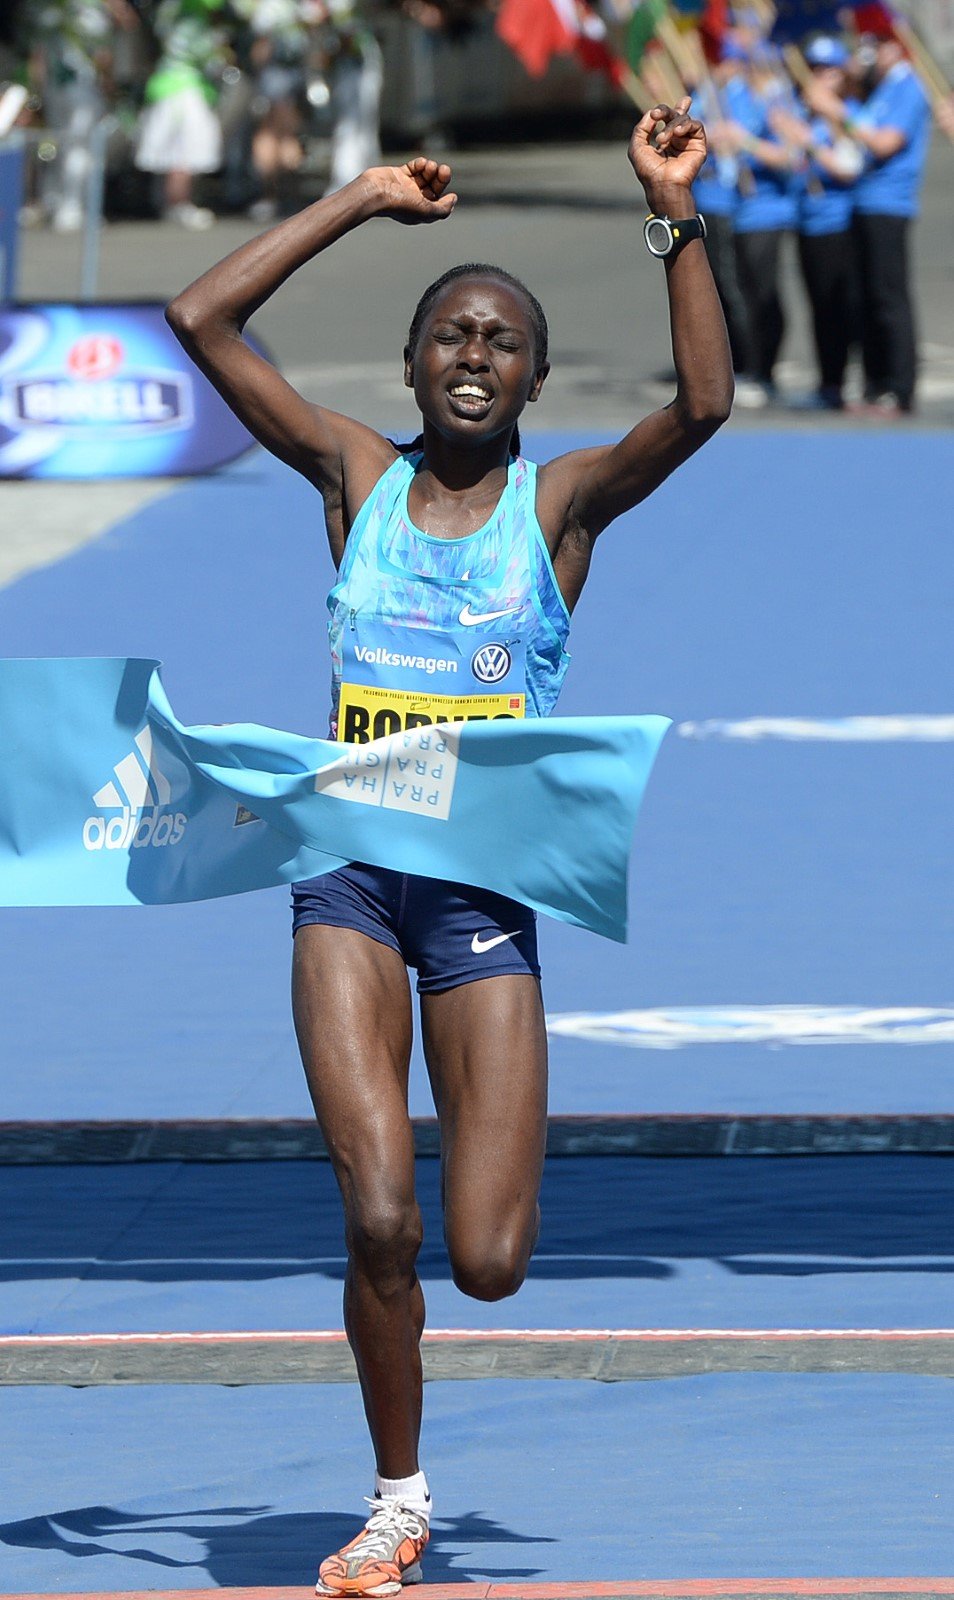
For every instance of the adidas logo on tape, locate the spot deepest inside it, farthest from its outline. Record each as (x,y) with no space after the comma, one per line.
(134,804)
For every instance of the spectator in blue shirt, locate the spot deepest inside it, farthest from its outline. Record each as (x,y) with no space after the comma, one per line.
(716,194)
(766,210)
(893,128)
(833,163)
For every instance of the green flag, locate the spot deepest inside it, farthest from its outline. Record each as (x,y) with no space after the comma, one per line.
(641,28)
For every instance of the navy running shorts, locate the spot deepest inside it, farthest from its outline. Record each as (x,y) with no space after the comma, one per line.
(450,932)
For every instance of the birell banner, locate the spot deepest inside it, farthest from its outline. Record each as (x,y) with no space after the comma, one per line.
(106,391)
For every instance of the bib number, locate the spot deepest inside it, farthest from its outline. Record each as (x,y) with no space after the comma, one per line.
(366,712)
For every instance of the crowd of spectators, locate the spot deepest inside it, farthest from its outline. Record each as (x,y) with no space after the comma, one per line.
(191,69)
(828,146)
(826,143)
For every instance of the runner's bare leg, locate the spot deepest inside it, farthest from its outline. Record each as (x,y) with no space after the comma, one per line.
(352,1009)
(486,1051)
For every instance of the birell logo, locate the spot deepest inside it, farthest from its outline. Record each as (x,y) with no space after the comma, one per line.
(135,805)
(95,392)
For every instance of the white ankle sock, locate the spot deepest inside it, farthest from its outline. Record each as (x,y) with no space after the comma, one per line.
(412,1491)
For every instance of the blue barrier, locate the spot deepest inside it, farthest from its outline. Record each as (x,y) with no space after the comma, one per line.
(11,192)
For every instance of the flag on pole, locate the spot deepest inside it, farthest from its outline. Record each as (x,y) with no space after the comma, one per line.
(713,26)
(538,30)
(642,30)
(106,799)
(707,18)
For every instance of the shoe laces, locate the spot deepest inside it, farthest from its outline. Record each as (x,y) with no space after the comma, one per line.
(390,1523)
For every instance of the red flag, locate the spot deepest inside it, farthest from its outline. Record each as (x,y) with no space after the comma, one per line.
(538,30)
(874,18)
(592,50)
(713,25)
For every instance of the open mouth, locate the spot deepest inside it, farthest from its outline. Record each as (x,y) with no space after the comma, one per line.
(471,398)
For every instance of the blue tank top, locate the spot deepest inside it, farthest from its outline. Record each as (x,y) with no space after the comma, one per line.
(444,630)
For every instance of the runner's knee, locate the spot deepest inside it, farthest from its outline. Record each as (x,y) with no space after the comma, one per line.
(494,1268)
(384,1238)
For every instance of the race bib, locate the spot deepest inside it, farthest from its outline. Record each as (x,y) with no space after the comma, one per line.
(366,712)
(441,678)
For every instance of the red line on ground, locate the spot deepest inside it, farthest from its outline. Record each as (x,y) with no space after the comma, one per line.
(652,1589)
(485,1335)
(706,1587)
(702,1587)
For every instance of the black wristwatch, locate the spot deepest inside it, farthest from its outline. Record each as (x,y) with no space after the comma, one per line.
(665,238)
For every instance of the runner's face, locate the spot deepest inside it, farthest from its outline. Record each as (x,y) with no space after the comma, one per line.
(475,365)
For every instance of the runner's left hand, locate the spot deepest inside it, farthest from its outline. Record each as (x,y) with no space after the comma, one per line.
(668,147)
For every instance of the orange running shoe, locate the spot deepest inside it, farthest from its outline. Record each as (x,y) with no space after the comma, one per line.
(386,1554)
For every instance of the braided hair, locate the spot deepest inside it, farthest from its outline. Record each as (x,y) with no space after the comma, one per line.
(480,269)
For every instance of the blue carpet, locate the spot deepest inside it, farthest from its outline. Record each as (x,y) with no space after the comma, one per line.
(733,1475)
(831,1242)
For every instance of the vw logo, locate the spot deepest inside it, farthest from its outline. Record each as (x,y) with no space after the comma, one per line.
(491,663)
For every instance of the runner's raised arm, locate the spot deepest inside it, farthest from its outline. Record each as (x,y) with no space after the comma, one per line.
(209,316)
(580,494)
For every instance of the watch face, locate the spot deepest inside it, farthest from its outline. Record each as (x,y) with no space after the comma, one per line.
(658,237)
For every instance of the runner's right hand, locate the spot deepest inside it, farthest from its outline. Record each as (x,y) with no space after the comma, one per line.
(416,192)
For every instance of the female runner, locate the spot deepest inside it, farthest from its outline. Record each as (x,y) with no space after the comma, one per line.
(457,554)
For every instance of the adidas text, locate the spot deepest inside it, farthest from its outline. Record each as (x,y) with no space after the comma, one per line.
(136,795)
(134,830)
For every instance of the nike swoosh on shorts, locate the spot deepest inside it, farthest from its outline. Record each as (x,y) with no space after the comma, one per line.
(470,620)
(479,945)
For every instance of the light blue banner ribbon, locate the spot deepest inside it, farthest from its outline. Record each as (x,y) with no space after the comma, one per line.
(107,799)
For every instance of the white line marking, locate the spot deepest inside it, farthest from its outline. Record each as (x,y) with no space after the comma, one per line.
(677,1026)
(450,1335)
(911,727)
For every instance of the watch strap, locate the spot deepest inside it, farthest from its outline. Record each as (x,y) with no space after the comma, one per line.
(683,231)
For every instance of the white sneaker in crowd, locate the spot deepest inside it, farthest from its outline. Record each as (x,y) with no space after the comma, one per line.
(31,215)
(68,217)
(195,218)
(750,395)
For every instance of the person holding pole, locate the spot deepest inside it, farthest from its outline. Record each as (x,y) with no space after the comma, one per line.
(893,129)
